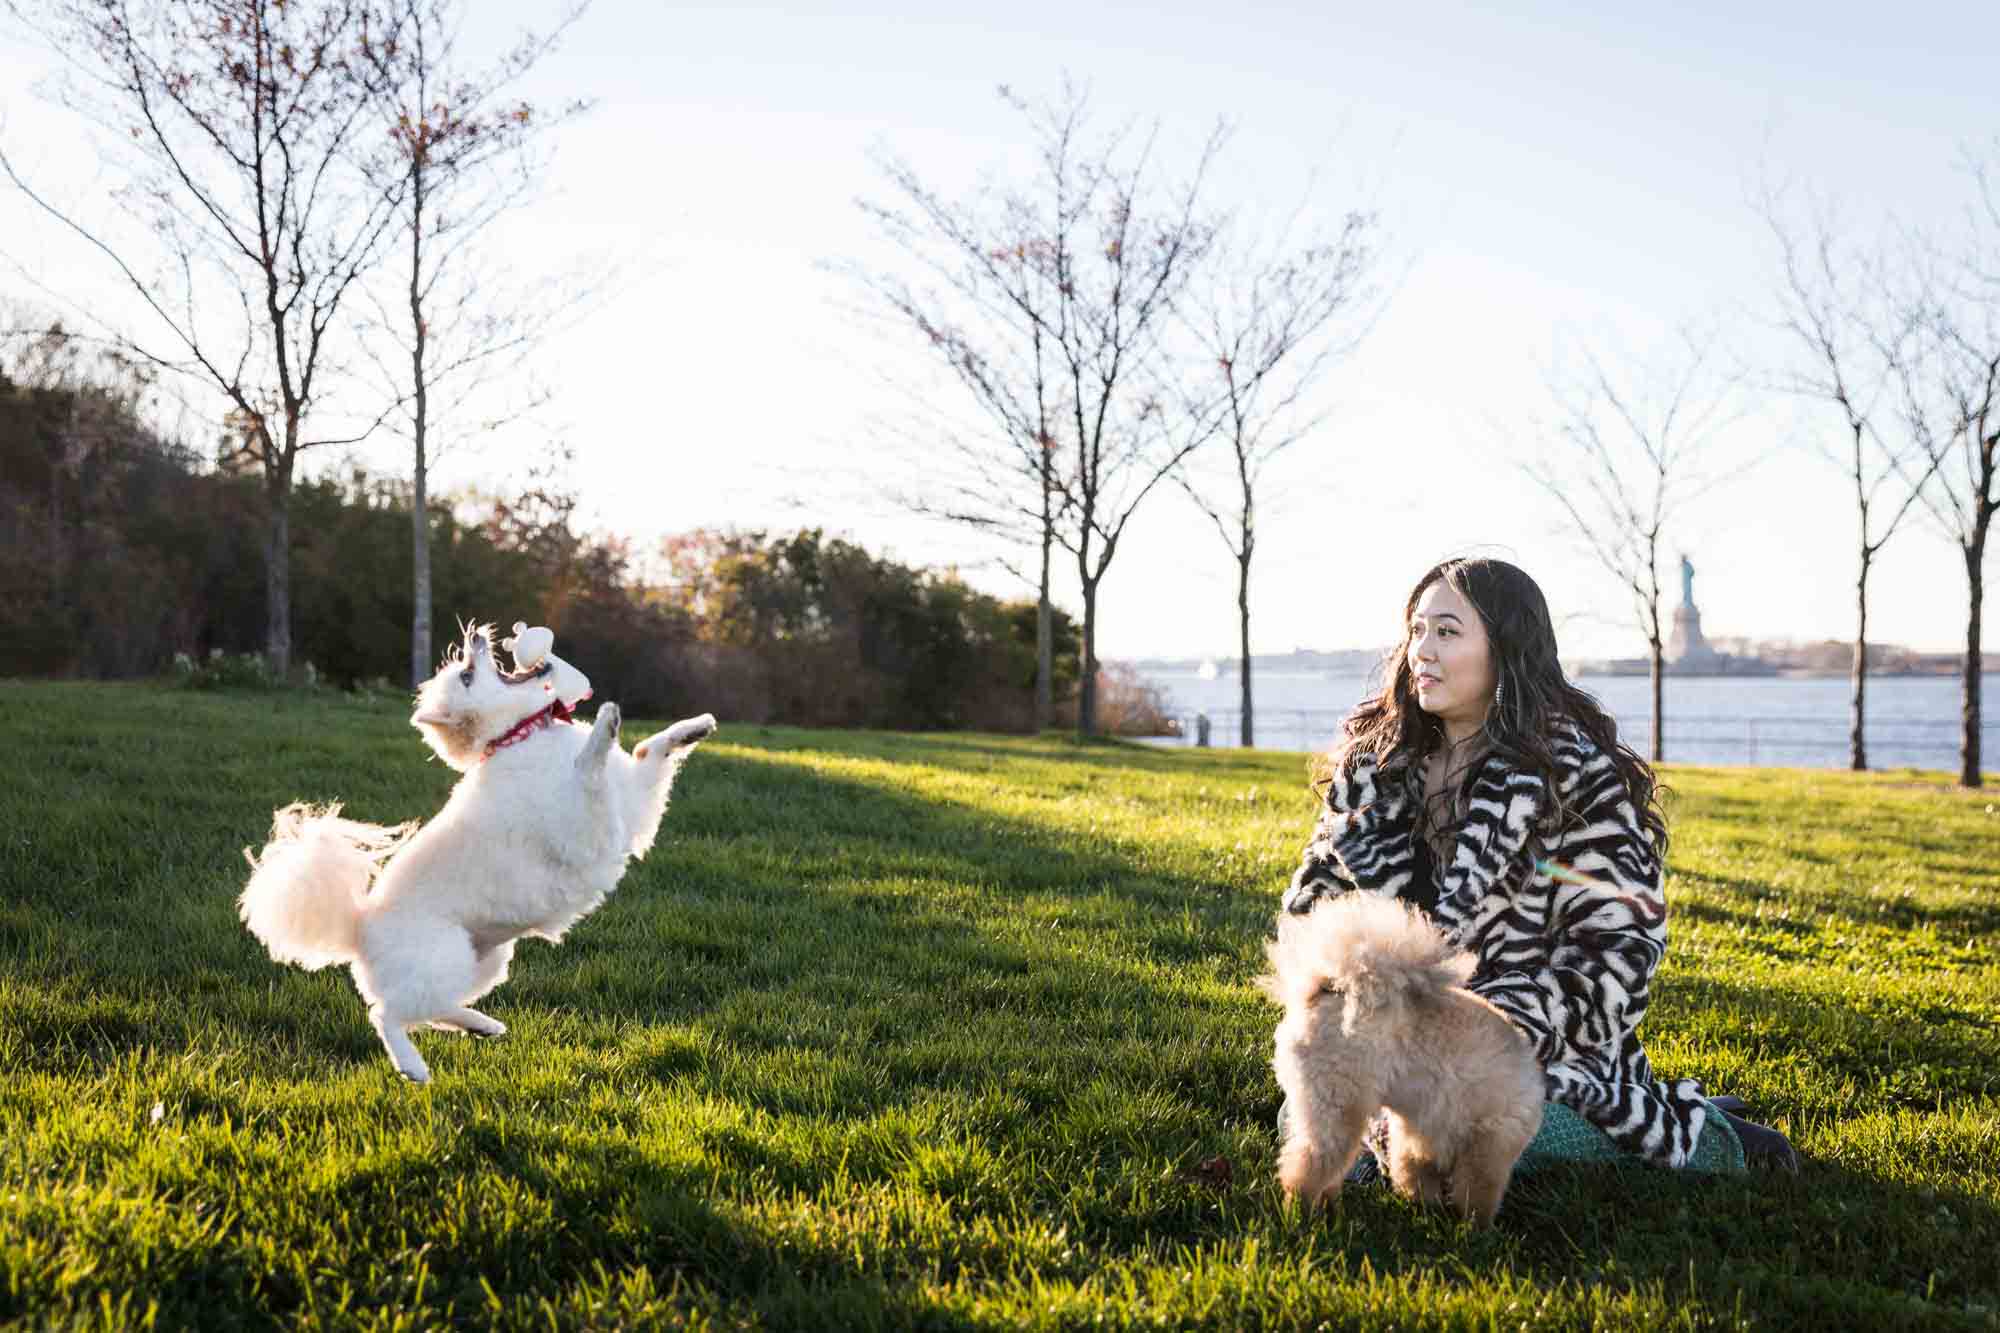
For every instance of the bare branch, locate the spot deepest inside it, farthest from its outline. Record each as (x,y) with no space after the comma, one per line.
(1641,447)
(1047,301)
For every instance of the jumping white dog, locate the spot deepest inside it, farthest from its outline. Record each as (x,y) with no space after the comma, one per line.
(534,837)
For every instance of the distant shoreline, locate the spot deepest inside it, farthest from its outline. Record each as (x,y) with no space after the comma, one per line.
(1784,673)
(1287,667)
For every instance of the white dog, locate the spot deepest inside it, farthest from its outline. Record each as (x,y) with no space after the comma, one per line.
(534,837)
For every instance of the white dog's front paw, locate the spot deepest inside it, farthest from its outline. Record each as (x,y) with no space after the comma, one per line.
(599,744)
(687,732)
(419,1075)
(691,730)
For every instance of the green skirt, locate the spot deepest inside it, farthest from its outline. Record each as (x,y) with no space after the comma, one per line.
(1566,1136)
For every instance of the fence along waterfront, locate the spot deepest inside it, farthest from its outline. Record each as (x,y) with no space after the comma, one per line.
(1913,721)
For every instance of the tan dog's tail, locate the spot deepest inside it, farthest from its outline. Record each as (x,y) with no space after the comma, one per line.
(1371,948)
(306,891)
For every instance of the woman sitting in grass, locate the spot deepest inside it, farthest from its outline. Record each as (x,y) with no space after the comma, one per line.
(1486,789)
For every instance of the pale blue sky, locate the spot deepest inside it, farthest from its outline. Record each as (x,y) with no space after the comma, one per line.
(1570,171)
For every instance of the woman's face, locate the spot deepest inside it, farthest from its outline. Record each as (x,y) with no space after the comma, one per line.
(1451,660)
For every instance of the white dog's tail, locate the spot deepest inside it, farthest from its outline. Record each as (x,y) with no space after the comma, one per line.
(1368,947)
(306,891)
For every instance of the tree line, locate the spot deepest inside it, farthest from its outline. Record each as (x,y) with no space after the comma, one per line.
(122,547)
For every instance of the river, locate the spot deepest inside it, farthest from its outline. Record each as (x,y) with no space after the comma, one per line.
(1913,721)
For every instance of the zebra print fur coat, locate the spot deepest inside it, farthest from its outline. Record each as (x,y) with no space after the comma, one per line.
(1570,965)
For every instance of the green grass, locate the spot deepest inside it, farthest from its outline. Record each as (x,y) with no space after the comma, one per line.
(940,1031)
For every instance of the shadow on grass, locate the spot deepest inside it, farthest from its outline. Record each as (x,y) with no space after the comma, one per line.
(595,1211)
(1830,1247)
(1910,1050)
(847,946)
(1813,908)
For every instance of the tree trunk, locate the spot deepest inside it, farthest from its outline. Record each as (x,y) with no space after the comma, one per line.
(420,527)
(1086,699)
(420,573)
(1968,746)
(1857,743)
(1659,740)
(1045,634)
(278,579)
(1248,739)
(58,538)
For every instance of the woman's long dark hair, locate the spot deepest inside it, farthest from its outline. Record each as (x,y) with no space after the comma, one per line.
(1535,696)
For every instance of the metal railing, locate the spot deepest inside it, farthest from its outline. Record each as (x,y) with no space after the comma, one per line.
(1703,738)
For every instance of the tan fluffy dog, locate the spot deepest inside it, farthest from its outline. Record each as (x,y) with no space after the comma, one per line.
(1377,1016)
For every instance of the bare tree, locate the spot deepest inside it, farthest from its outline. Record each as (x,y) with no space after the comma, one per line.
(986,311)
(1949,376)
(1833,304)
(1636,450)
(242,119)
(1264,322)
(1049,300)
(463,152)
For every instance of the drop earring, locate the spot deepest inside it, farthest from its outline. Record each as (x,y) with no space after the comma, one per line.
(1498,688)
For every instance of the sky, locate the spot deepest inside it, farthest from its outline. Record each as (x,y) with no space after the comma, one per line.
(1561,177)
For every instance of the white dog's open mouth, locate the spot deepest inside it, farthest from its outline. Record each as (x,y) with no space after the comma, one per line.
(545,667)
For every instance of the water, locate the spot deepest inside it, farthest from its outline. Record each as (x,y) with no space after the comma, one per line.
(1913,721)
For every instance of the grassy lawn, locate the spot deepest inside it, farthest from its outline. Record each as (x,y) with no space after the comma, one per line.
(939,1031)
